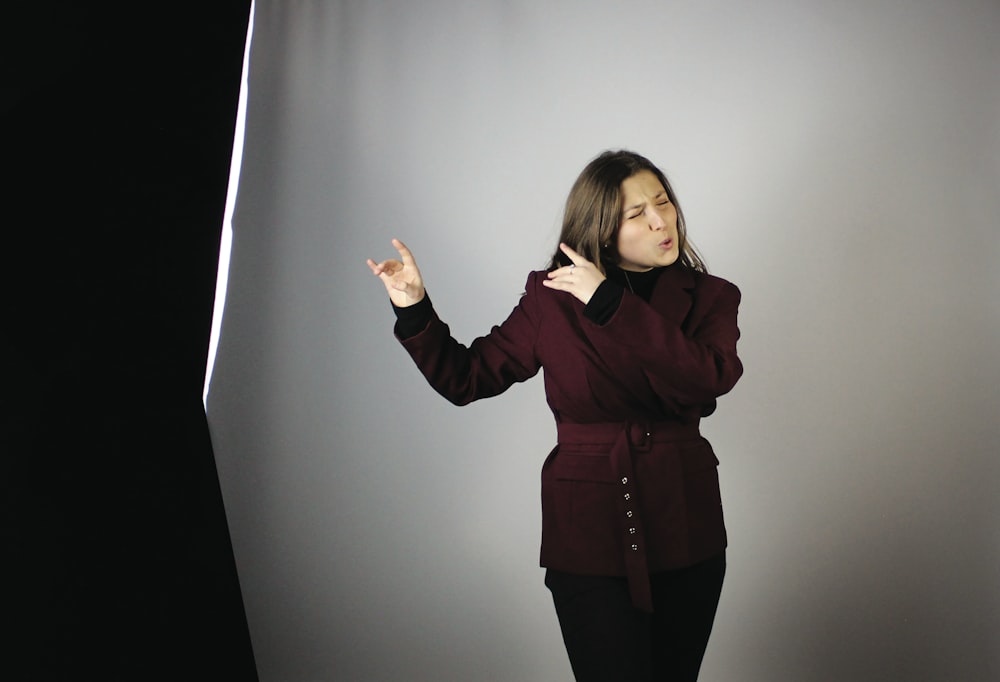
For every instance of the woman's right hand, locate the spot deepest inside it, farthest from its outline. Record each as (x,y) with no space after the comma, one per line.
(401,278)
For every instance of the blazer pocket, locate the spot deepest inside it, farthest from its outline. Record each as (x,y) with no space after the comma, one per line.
(585,499)
(701,474)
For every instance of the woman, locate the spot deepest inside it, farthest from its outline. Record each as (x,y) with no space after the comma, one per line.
(637,342)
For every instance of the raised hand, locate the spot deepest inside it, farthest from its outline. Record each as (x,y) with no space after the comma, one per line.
(401,278)
(581,279)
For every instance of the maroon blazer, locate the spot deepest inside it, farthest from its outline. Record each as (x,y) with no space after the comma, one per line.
(632,487)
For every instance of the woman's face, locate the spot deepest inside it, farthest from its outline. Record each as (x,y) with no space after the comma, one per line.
(647,237)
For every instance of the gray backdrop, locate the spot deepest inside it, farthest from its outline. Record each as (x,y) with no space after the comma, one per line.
(839,161)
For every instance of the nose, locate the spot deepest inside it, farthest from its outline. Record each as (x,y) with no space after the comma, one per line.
(656,221)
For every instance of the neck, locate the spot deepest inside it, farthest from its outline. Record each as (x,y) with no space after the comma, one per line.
(639,282)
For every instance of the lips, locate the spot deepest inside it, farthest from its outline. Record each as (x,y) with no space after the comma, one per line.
(666,244)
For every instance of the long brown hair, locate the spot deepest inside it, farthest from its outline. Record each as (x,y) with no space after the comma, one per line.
(593,212)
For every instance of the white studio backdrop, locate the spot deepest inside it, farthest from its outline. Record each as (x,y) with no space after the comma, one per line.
(839,161)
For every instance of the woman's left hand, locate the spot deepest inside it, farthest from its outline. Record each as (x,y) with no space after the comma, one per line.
(580,279)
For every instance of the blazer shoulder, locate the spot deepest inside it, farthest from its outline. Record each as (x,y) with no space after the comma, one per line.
(533,287)
(534,277)
(714,284)
(547,303)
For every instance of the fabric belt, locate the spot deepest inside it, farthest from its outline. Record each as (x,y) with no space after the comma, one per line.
(628,439)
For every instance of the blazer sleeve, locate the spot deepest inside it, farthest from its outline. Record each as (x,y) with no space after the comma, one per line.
(692,366)
(489,365)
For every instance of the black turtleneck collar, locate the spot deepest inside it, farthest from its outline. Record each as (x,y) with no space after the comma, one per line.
(639,283)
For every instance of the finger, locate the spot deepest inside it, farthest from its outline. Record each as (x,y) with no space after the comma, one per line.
(566,270)
(376,268)
(408,289)
(383,268)
(564,284)
(404,252)
(576,258)
(392,282)
(390,265)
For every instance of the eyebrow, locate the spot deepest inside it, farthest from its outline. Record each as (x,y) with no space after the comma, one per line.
(635,206)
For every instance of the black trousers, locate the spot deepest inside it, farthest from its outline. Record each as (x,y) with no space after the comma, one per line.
(609,639)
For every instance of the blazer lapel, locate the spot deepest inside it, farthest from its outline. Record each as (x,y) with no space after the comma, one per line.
(672,295)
